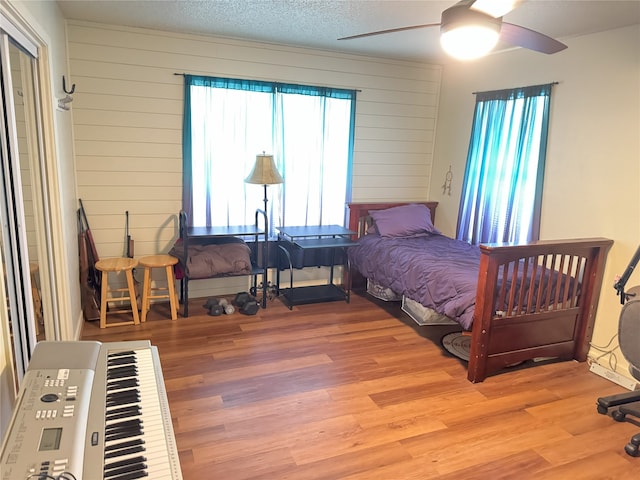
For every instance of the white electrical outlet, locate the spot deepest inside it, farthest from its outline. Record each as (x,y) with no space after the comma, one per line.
(614,377)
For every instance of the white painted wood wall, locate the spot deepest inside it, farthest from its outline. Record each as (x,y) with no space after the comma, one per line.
(127,120)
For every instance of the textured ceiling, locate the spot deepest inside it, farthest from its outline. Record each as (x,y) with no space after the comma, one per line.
(319,23)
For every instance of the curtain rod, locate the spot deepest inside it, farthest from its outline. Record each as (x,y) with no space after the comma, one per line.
(339,88)
(528,86)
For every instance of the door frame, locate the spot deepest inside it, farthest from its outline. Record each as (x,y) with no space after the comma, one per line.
(55,285)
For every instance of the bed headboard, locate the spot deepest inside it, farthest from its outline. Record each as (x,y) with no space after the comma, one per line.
(359,218)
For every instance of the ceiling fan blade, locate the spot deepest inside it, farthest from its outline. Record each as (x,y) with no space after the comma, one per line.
(391,30)
(524,37)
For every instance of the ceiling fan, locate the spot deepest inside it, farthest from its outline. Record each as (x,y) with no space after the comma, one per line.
(471,28)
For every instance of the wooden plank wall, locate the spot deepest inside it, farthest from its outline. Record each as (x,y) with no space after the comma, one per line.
(127,120)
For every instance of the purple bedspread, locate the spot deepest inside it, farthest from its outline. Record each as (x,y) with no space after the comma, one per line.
(436,271)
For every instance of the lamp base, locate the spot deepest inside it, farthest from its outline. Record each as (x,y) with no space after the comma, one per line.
(265,200)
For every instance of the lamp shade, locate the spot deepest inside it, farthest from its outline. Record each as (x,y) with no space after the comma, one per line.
(264,171)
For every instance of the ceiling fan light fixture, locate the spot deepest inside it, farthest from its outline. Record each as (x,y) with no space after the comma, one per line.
(467,34)
(495,8)
(469,42)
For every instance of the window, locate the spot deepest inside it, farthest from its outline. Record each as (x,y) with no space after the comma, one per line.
(502,190)
(308,130)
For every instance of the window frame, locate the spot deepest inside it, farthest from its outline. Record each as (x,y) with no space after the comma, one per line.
(275,89)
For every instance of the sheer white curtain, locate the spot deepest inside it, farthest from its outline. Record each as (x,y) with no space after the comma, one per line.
(314,156)
(502,191)
(229,127)
(308,130)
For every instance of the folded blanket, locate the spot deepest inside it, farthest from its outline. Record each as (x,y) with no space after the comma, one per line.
(206,261)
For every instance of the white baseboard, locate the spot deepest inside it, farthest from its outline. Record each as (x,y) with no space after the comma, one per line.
(614,377)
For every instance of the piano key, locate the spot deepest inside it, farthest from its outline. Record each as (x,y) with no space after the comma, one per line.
(121,359)
(120,463)
(123,424)
(131,428)
(128,412)
(119,436)
(131,476)
(119,391)
(125,452)
(130,443)
(121,372)
(123,434)
(126,353)
(151,418)
(123,398)
(124,383)
(136,468)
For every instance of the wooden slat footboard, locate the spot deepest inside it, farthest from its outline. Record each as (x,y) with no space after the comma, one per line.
(535,300)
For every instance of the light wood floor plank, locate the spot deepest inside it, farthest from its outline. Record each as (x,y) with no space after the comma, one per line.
(357,391)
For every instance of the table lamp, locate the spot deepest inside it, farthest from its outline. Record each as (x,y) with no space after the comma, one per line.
(264,173)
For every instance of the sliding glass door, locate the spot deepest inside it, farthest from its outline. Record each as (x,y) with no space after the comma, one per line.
(25,295)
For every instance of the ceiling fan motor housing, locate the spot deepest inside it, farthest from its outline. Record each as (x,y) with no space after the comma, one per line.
(462,15)
(468,34)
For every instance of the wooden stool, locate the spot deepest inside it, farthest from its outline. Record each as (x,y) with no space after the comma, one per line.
(159,261)
(117,265)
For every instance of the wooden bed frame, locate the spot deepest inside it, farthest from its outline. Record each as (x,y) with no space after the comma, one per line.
(556,324)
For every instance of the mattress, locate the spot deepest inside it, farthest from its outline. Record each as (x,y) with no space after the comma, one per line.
(424,315)
(436,271)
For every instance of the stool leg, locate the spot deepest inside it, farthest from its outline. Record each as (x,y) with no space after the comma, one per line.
(171,288)
(103,300)
(146,291)
(132,295)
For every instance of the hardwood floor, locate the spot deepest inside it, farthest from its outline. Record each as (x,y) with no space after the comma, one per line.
(357,391)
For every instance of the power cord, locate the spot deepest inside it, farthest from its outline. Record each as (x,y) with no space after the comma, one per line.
(46,476)
(606,350)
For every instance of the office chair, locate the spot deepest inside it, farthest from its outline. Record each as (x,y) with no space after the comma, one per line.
(627,404)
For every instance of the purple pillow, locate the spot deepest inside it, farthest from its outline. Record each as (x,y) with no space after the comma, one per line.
(404,221)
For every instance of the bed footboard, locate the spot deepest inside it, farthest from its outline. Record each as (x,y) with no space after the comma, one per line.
(535,300)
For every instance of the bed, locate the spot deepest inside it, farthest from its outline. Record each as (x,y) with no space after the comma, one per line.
(520,302)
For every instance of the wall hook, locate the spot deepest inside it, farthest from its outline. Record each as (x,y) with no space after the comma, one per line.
(64,87)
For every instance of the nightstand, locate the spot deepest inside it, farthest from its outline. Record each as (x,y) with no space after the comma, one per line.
(332,237)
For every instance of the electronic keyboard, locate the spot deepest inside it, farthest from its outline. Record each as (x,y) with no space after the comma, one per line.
(90,410)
